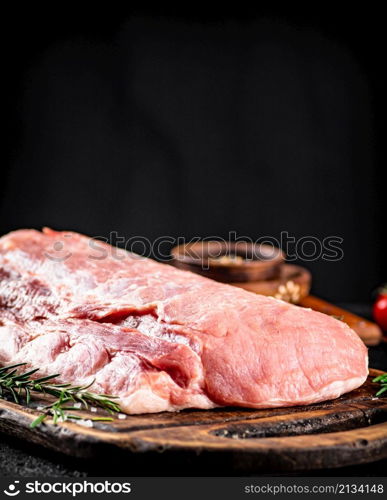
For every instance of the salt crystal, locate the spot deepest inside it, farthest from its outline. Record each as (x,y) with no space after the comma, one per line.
(84,423)
(77,405)
(93,409)
(122,416)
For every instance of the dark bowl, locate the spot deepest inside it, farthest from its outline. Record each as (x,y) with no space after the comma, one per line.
(229,261)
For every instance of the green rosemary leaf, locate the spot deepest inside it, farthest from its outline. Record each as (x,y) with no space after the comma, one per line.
(85,387)
(382,380)
(13,383)
(5,369)
(11,373)
(14,395)
(25,375)
(382,391)
(28,395)
(38,421)
(45,379)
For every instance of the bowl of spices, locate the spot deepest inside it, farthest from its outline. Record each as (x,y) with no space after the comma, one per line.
(229,262)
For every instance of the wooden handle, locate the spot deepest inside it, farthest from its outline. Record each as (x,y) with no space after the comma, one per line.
(369,332)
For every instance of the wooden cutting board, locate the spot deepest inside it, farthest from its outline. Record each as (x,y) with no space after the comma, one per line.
(346,431)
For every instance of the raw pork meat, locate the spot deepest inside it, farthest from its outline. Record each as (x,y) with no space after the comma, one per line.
(160,338)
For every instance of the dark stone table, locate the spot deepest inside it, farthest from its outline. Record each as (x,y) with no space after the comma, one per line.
(23,459)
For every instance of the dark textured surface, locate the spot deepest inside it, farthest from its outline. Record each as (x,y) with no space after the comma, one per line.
(23,459)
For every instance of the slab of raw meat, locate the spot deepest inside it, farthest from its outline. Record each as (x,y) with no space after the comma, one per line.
(160,338)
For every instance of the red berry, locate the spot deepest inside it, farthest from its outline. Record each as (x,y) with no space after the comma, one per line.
(380,311)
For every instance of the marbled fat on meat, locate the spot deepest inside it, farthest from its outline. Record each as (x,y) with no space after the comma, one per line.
(159,338)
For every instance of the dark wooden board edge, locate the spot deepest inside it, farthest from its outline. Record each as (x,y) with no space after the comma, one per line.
(356,421)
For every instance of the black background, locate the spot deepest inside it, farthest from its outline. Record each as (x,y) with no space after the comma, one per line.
(200,123)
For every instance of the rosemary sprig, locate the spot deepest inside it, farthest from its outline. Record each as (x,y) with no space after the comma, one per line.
(382,380)
(17,385)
